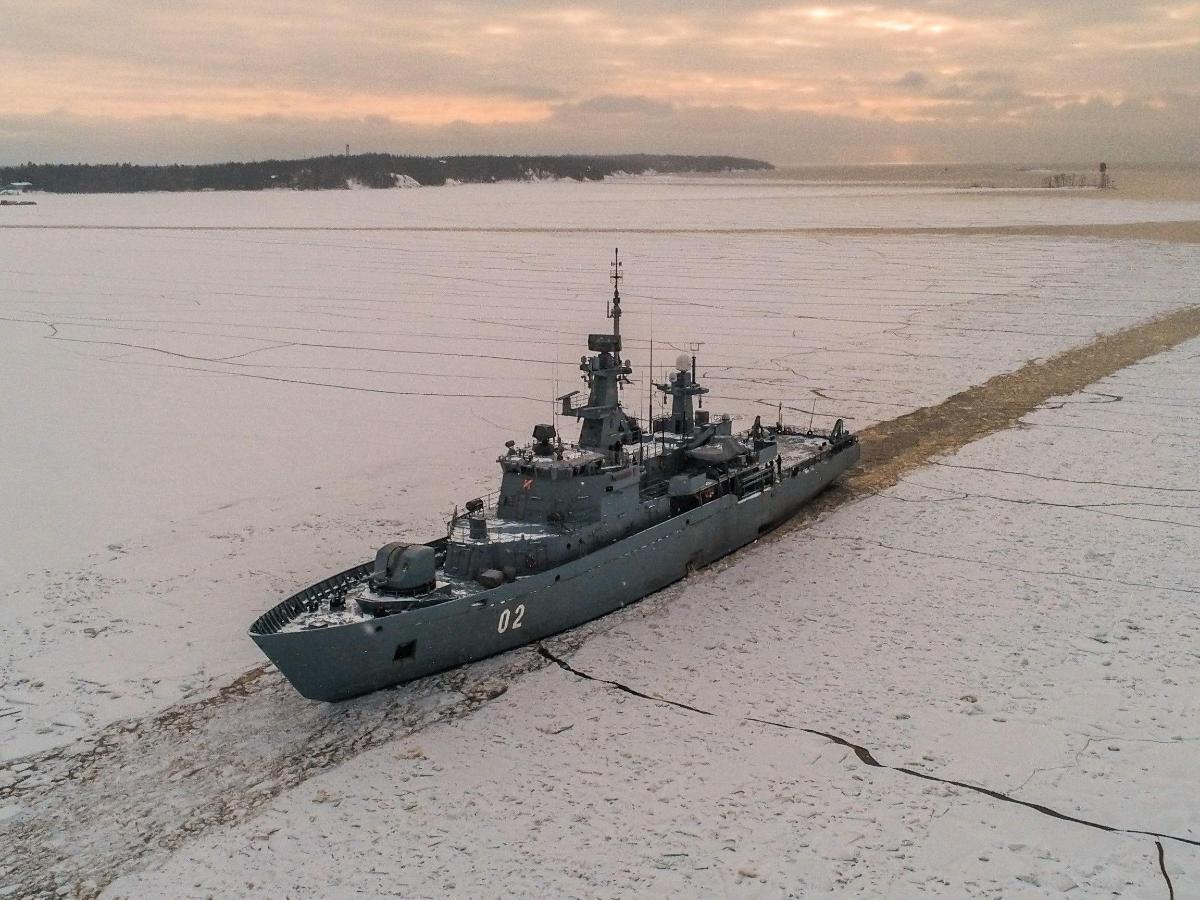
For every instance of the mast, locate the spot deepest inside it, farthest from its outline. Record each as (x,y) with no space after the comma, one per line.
(682,387)
(650,382)
(614,311)
(605,426)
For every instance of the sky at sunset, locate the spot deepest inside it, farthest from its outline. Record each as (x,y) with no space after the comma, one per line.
(926,81)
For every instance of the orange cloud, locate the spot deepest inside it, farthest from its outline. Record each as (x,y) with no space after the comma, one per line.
(482,65)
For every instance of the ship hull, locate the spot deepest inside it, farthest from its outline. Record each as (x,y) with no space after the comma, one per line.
(348,660)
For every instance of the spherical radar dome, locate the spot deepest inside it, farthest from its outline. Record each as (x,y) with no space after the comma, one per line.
(683,362)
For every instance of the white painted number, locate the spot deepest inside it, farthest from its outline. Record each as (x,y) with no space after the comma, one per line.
(513,616)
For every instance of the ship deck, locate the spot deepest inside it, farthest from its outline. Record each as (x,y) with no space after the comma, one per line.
(331,603)
(800,448)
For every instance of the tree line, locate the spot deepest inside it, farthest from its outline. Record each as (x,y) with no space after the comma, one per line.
(373,170)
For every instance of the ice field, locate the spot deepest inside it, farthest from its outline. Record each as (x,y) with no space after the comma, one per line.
(210,400)
(664,203)
(1020,615)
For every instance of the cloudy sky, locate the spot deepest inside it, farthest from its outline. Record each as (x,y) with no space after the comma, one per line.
(922,81)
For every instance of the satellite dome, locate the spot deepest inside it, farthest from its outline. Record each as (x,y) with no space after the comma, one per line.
(683,362)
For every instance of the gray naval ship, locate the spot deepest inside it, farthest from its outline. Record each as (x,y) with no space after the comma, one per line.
(574,532)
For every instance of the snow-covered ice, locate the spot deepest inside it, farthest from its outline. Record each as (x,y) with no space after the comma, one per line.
(1020,616)
(197,422)
(624,205)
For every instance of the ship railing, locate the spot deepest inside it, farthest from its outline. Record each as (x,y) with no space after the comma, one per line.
(490,502)
(755,481)
(310,599)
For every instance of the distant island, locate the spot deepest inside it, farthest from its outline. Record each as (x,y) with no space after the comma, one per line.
(367,170)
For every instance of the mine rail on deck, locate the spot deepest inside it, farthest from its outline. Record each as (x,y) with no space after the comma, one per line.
(310,598)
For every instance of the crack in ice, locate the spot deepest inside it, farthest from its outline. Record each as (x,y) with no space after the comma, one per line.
(1120,484)
(866,757)
(1162,867)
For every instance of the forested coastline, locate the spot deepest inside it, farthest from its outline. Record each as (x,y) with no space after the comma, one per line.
(369,170)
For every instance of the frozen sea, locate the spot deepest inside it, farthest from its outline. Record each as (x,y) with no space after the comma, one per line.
(210,400)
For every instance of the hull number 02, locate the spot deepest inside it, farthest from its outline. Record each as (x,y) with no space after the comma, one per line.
(511,619)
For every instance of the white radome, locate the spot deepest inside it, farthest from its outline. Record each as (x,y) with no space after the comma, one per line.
(683,362)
